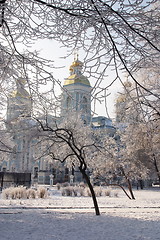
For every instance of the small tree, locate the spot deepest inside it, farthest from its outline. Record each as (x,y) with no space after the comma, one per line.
(138,120)
(116,166)
(70,142)
(142,141)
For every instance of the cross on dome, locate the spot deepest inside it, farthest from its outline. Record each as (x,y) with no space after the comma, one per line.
(76,55)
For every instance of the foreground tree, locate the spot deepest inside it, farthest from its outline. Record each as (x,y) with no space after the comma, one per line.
(113,35)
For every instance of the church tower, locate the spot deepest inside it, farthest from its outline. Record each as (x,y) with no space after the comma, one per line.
(18,122)
(77,92)
(19,102)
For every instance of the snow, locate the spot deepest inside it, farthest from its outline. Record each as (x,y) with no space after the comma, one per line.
(64,218)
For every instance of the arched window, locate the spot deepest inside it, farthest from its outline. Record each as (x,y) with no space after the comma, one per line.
(84,105)
(68,102)
(36,172)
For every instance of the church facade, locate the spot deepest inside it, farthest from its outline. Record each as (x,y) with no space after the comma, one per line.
(76,96)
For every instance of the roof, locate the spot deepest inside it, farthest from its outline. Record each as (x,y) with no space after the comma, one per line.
(72,79)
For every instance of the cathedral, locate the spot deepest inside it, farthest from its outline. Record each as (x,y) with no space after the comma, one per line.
(76,96)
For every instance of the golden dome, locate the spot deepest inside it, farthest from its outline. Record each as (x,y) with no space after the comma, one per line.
(72,79)
(76,74)
(77,63)
(20,91)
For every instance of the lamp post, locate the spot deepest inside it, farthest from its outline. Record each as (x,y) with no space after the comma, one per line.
(71,179)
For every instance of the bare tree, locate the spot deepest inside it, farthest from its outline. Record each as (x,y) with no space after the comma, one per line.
(116,35)
(140,119)
(70,143)
(116,166)
(142,141)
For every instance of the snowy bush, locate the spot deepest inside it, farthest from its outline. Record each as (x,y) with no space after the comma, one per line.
(107,192)
(67,191)
(31,193)
(75,191)
(19,192)
(82,185)
(42,192)
(81,191)
(115,194)
(6,193)
(63,192)
(14,193)
(65,184)
(98,191)
(87,192)
(58,185)
(22,192)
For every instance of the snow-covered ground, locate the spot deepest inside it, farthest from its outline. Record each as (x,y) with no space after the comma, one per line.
(65,218)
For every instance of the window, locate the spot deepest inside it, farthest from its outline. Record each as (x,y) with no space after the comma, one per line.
(68,102)
(84,104)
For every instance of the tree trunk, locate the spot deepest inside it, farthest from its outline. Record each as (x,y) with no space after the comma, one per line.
(130,188)
(128,183)
(118,185)
(2,179)
(92,191)
(156,167)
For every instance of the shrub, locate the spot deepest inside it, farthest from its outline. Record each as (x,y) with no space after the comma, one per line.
(22,192)
(58,185)
(75,191)
(14,193)
(82,185)
(42,192)
(30,193)
(81,191)
(63,192)
(115,194)
(6,193)
(98,191)
(107,193)
(65,184)
(88,192)
(69,191)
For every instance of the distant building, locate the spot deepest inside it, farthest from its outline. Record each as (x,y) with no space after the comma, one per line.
(104,124)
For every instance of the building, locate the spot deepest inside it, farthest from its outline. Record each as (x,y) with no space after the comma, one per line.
(103,123)
(76,96)
(77,92)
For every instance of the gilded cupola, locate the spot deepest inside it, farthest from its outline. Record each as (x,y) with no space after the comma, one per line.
(76,75)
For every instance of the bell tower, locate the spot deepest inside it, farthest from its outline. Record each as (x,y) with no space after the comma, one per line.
(77,92)
(19,102)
